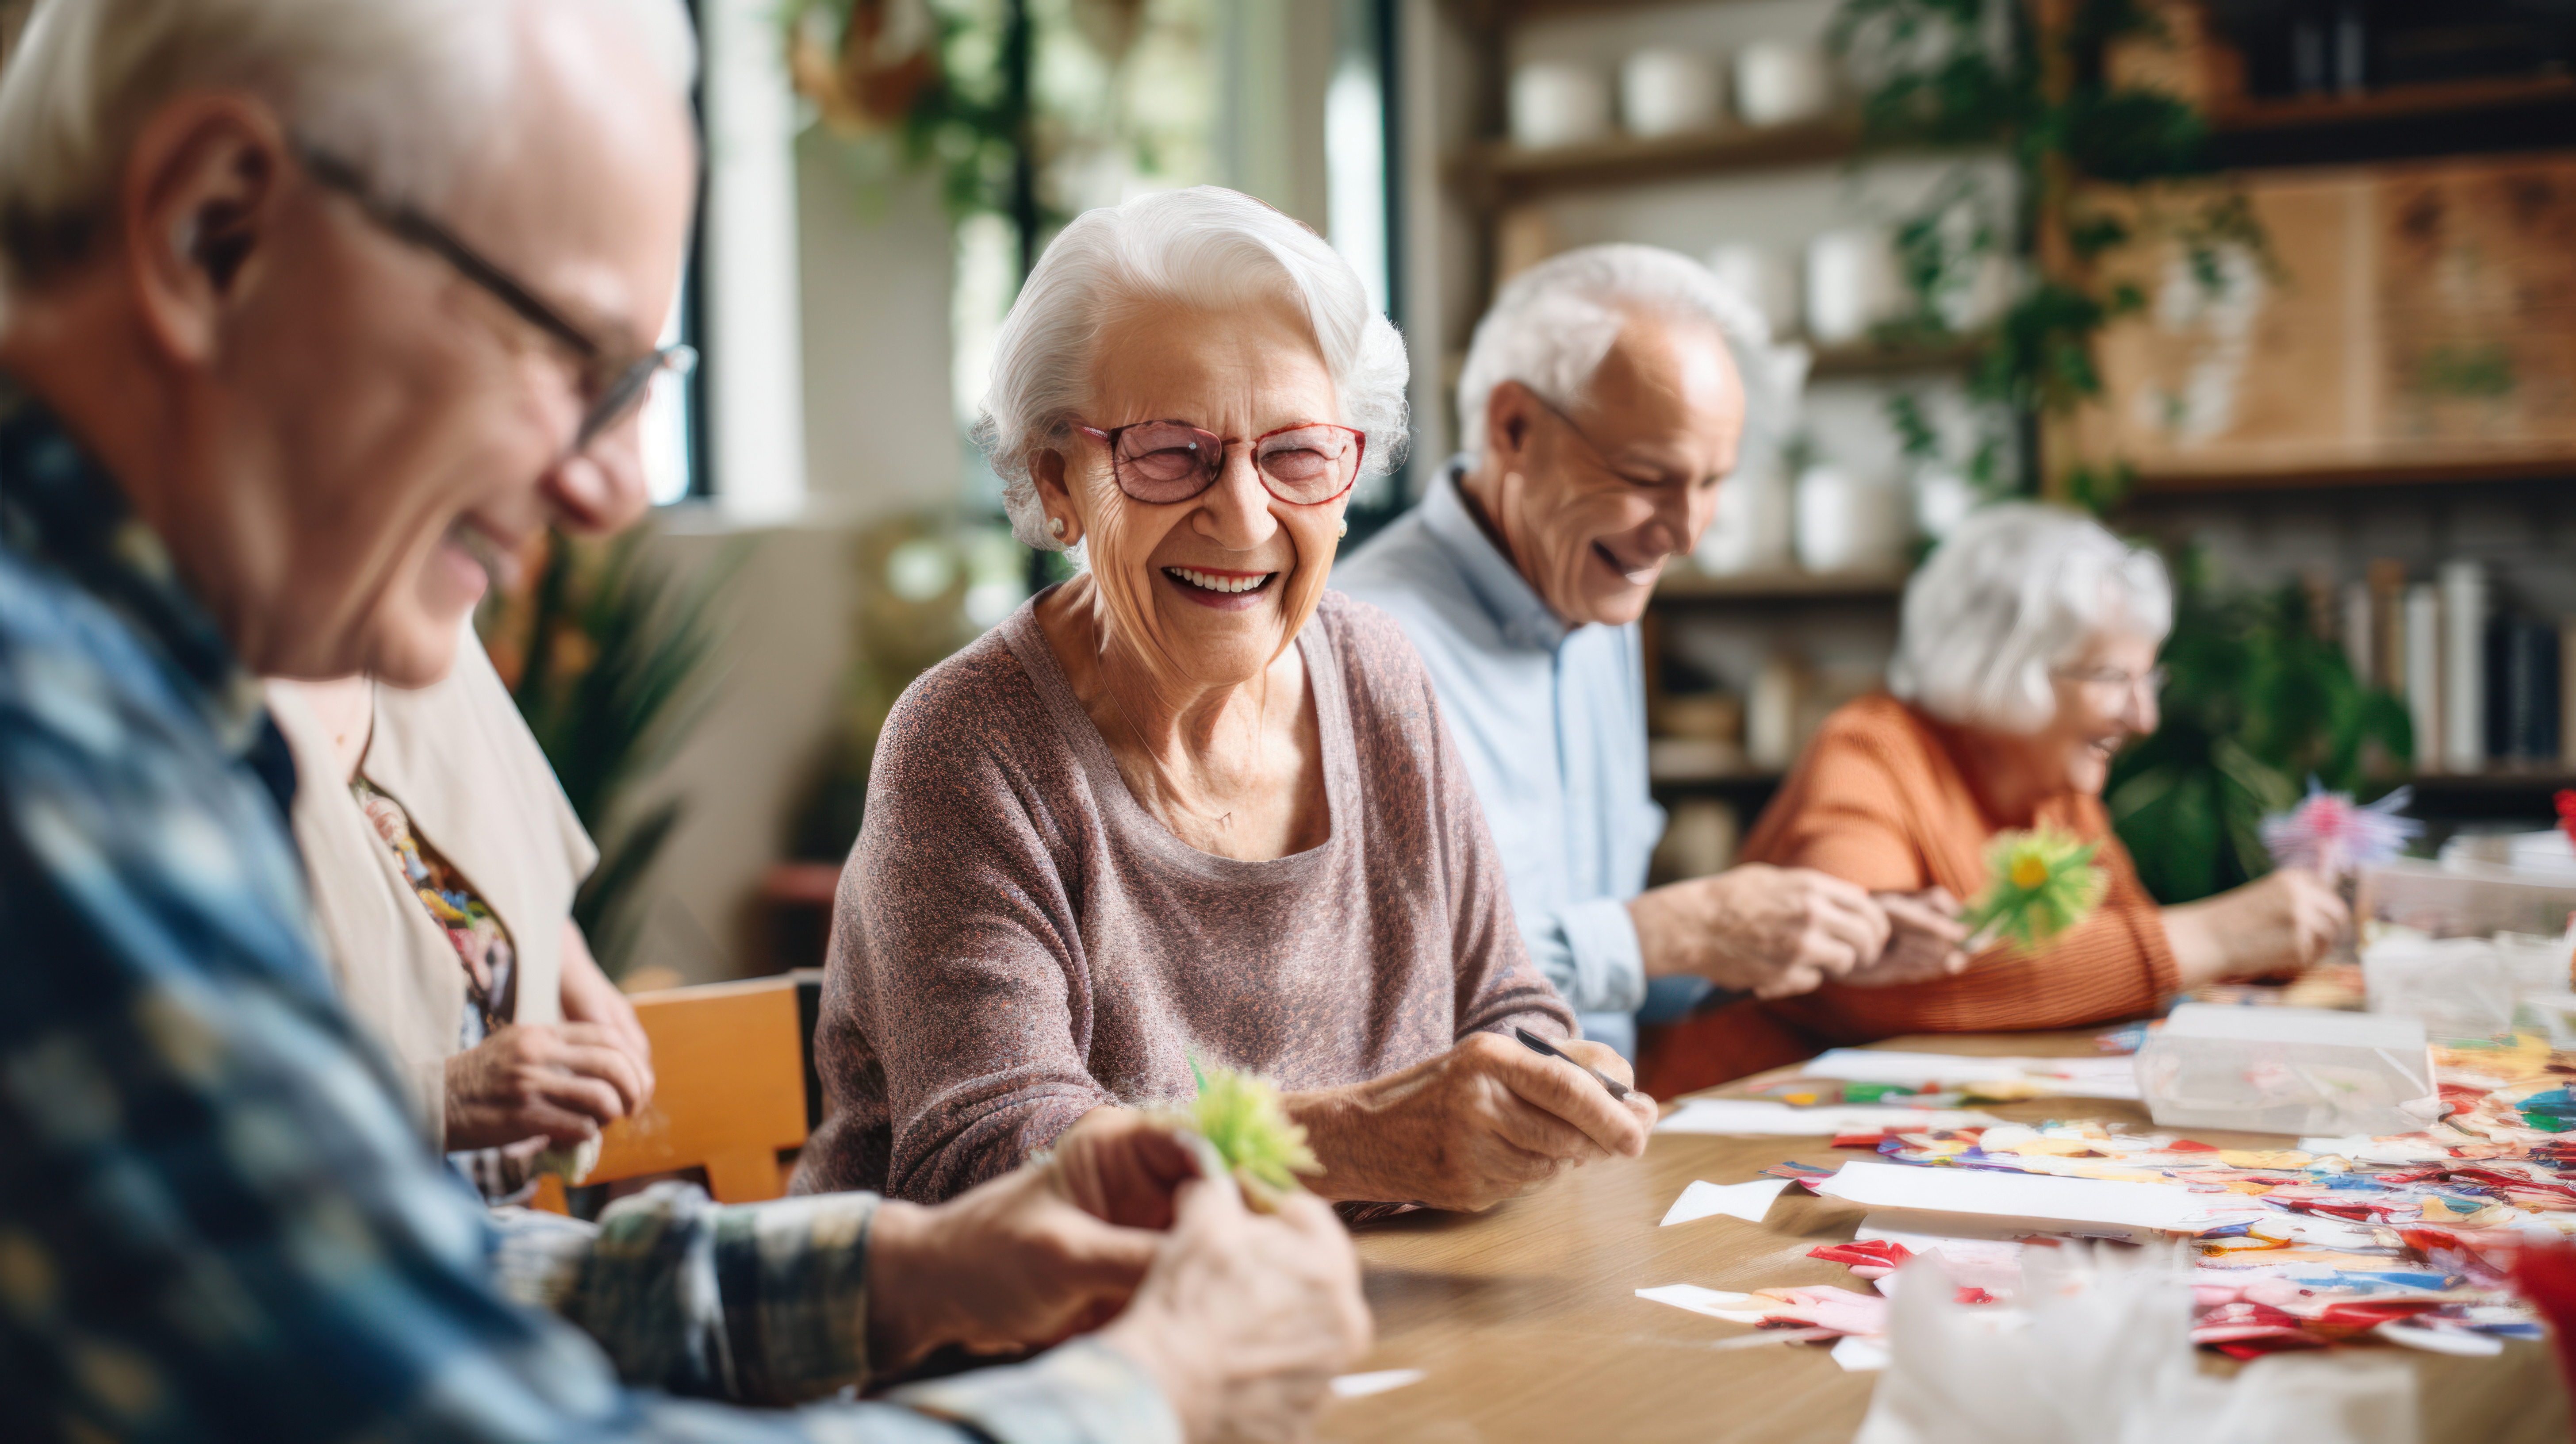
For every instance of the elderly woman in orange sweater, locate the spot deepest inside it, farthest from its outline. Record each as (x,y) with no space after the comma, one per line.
(2027,658)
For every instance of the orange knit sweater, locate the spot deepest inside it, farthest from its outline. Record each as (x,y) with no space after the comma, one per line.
(1880,800)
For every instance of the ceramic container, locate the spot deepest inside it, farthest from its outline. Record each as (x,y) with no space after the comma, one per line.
(1782,83)
(1556,104)
(1664,92)
(1853,284)
(1847,522)
(1765,277)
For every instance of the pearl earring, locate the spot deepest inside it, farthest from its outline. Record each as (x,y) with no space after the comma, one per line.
(1055,527)
(1345,529)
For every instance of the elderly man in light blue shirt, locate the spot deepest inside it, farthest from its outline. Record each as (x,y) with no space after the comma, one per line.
(1604,398)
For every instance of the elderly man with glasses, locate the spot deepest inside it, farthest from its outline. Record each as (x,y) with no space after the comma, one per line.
(1604,400)
(316,310)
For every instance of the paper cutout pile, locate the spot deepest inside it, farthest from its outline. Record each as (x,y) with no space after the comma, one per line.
(2409,1239)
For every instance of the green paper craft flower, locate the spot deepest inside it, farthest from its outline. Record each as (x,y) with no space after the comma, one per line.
(1240,1116)
(2040,884)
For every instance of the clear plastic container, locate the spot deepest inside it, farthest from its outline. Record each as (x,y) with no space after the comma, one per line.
(2457,944)
(2307,1071)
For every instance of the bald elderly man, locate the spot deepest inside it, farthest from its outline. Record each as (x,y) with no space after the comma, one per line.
(1603,402)
(316,311)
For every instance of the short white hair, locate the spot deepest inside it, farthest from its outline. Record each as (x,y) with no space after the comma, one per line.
(1553,324)
(1207,249)
(2019,588)
(405,90)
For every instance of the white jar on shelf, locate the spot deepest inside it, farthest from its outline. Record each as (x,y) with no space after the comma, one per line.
(1751,529)
(1665,92)
(1764,276)
(1847,522)
(1853,284)
(1942,499)
(1780,82)
(1556,104)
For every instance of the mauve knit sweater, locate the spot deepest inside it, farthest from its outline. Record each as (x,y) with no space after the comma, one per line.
(1018,941)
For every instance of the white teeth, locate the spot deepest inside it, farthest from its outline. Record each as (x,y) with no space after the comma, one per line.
(1228,585)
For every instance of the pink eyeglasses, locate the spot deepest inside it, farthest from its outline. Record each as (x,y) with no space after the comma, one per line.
(1163,462)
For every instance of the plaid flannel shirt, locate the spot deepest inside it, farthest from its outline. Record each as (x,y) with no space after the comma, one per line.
(215,1220)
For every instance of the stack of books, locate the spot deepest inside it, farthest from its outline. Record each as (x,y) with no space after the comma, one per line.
(2486,685)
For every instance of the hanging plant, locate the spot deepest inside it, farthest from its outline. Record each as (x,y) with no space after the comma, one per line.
(2087,157)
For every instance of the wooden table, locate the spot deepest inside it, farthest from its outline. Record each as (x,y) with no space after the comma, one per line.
(1526,1321)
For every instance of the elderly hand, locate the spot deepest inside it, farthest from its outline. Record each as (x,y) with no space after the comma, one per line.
(589,997)
(565,1082)
(1245,1320)
(1769,931)
(1924,934)
(1013,1263)
(2284,921)
(1486,1121)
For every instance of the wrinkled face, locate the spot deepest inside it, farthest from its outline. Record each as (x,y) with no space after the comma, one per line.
(1208,591)
(412,430)
(1595,500)
(2106,694)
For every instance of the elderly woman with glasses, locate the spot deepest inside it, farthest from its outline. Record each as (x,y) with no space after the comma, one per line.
(1190,807)
(2026,658)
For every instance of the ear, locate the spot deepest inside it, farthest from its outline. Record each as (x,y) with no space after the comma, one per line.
(1511,410)
(1046,471)
(199,210)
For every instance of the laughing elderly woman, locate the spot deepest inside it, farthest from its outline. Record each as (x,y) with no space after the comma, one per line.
(2026,658)
(1190,804)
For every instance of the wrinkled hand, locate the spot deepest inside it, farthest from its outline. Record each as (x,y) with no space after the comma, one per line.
(1486,1121)
(1244,1320)
(589,997)
(2279,923)
(1924,934)
(1769,931)
(527,1079)
(1119,1165)
(1009,1264)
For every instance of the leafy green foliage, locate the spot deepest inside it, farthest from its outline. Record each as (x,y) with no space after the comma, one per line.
(1981,75)
(1240,1115)
(2256,700)
(2039,884)
(614,679)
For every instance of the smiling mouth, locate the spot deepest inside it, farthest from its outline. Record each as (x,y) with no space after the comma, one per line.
(499,561)
(1223,583)
(1637,576)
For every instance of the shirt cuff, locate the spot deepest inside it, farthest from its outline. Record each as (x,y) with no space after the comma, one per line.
(762,1303)
(1607,966)
(1084,1392)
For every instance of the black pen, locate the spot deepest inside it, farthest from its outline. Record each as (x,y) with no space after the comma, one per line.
(1537,1044)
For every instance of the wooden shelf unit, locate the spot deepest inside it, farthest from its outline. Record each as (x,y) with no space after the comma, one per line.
(1506,174)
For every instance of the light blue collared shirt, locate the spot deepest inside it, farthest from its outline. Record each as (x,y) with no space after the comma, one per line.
(1553,724)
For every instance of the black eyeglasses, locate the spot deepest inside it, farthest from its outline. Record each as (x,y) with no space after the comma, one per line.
(610,389)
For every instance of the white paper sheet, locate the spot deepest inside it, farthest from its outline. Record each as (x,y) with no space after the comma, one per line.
(1716,1303)
(2049,1202)
(1763,1119)
(1360,1386)
(1747,1201)
(1860,1354)
(2090,1077)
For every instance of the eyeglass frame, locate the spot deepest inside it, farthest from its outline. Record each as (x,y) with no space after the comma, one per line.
(1109,440)
(614,401)
(1599,456)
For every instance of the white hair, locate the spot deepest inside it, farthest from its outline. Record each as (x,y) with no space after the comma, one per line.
(405,90)
(1552,325)
(1205,249)
(2019,588)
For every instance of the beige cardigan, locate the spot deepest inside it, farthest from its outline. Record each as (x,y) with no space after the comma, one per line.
(465,767)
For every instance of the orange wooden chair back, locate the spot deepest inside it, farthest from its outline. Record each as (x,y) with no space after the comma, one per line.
(728,1095)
